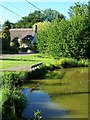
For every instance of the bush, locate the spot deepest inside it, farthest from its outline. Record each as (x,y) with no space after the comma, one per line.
(68,62)
(38,73)
(42,25)
(83,63)
(13,100)
(68,38)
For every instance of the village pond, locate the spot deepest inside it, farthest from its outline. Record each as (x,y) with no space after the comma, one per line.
(64,97)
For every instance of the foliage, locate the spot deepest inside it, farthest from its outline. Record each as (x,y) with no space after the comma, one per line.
(15,44)
(37,115)
(13,101)
(5,39)
(68,62)
(28,21)
(83,62)
(37,16)
(50,15)
(42,25)
(39,73)
(67,38)
(89,8)
(78,9)
(7,25)
(55,75)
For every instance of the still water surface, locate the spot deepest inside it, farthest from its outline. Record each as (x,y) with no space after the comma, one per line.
(66,97)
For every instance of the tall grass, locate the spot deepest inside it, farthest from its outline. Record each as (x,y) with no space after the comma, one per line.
(70,62)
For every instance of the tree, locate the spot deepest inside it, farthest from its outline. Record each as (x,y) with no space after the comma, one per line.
(6,36)
(78,9)
(38,16)
(67,38)
(7,25)
(89,8)
(42,25)
(50,15)
(30,20)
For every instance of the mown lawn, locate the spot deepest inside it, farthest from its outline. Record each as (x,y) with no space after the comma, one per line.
(24,60)
(7,61)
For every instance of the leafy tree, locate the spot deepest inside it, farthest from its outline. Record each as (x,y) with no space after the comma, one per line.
(66,38)
(7,25)
(78,9)
(42,25)
(89,8)
(50,15)
(38,16)
(28,21)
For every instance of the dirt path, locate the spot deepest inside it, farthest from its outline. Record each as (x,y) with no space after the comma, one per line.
(11,55)
(23,68)
(17,68)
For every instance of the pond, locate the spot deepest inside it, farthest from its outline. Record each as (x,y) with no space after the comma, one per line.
(64,97)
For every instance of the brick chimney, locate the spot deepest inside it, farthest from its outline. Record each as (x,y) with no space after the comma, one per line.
(35,28)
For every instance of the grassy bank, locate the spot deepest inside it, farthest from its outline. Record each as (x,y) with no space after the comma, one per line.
(27,60)
(11,98)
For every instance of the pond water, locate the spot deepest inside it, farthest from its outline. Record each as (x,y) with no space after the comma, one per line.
(64,97)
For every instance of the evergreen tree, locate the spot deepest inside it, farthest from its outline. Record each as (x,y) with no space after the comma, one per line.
(6,36)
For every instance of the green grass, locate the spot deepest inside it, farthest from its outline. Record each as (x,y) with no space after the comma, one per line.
(31,59)
(24,60)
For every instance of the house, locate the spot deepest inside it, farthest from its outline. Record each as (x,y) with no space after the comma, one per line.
(23,34)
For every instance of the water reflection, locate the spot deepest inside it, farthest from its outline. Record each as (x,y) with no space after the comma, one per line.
(59,98)
(40,100)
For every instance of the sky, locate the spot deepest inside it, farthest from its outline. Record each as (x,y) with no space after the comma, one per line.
(22,8)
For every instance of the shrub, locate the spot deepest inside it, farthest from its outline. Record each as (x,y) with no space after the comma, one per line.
(83,63)
(42,25)
(68,38)
(68,62)
(38,73)
(13,100)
